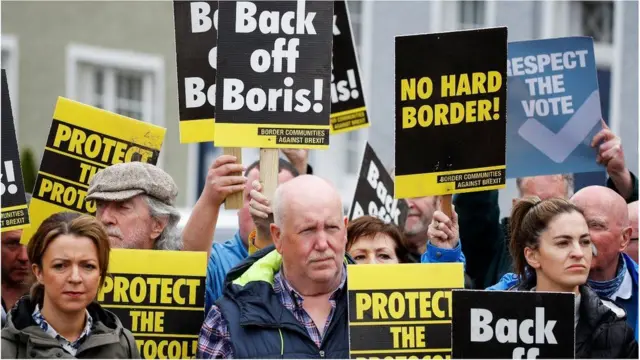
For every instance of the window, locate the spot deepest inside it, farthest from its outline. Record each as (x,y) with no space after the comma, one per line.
(122,82)
(9,63)
(355,14)
(596,20)
(471,14)
(354,152)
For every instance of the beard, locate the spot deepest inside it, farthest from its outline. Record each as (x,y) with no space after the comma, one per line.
(135,240)
(419,227)
(13,280)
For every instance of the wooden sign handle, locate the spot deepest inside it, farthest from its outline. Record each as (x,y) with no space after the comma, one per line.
(445,205)
(269,171)
(269,181)
(235,200)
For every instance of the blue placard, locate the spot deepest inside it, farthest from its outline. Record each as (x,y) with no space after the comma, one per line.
(553,107)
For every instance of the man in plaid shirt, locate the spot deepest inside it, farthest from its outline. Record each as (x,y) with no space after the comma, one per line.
(289,300)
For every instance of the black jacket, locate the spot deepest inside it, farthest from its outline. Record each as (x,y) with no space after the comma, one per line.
(602,331)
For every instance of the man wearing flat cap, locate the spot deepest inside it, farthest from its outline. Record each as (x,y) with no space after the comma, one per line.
(134,202)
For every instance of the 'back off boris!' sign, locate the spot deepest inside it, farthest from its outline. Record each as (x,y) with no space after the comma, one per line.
(513,325)
(274,68)
(450,112)
(82,141)
(196,29)
(401,311)
(159,296)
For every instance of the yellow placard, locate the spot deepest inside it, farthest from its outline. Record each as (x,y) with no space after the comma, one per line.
(272,136)
(83,140)
(349,120)
(401,310)
(159,296)
(195,131)
(449,182)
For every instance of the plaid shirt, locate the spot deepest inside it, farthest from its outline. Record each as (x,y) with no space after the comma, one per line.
(70,347)
(215,339)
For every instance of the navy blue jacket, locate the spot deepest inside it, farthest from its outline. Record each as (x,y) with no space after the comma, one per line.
(261,327)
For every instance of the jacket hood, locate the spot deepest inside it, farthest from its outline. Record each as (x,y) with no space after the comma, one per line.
(596,311)
(21,323)
(260,266)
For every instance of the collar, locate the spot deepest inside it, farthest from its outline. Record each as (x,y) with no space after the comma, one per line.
(298,298)
(626,288)
(69,346)
(240,245)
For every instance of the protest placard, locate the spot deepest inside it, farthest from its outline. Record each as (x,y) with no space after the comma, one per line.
(450,112)
(159,296)
(553,107)
(348,111)
(274,69)
(400,311)
(374,193)
(196,31)
(83,140)
(15,213)
(513,325)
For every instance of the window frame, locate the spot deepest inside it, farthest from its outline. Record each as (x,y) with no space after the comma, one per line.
(9,44)
(152,66)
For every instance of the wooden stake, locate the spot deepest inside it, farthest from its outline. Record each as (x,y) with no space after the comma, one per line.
(445,205)
(269,181)
(235,200)
(269,171)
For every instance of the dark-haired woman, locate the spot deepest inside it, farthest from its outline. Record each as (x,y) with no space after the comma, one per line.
(552,250)
(372,241)
(69,254)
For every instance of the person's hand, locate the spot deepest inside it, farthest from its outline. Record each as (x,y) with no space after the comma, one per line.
(298,158)
(444,232)
(260,211)
(610,152)
(220,181)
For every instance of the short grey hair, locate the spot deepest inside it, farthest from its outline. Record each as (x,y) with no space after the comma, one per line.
(278,206)
(568,181)
(170,238)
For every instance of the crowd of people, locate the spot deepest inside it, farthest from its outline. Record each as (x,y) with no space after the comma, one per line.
(278,287)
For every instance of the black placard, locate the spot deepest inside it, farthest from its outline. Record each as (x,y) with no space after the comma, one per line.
(374,193)
(348,111)
(274,68)
(196,39)
(450,112)
(14,202)
(512,325)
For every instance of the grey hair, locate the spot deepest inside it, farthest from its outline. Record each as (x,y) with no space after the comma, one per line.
(170,238)
(568,182)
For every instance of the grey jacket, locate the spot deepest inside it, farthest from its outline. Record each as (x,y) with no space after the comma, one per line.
(22,338)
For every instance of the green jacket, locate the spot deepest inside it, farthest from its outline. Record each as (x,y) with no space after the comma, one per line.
(23,338)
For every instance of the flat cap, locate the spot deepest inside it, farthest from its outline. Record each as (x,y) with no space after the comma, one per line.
(123,181)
